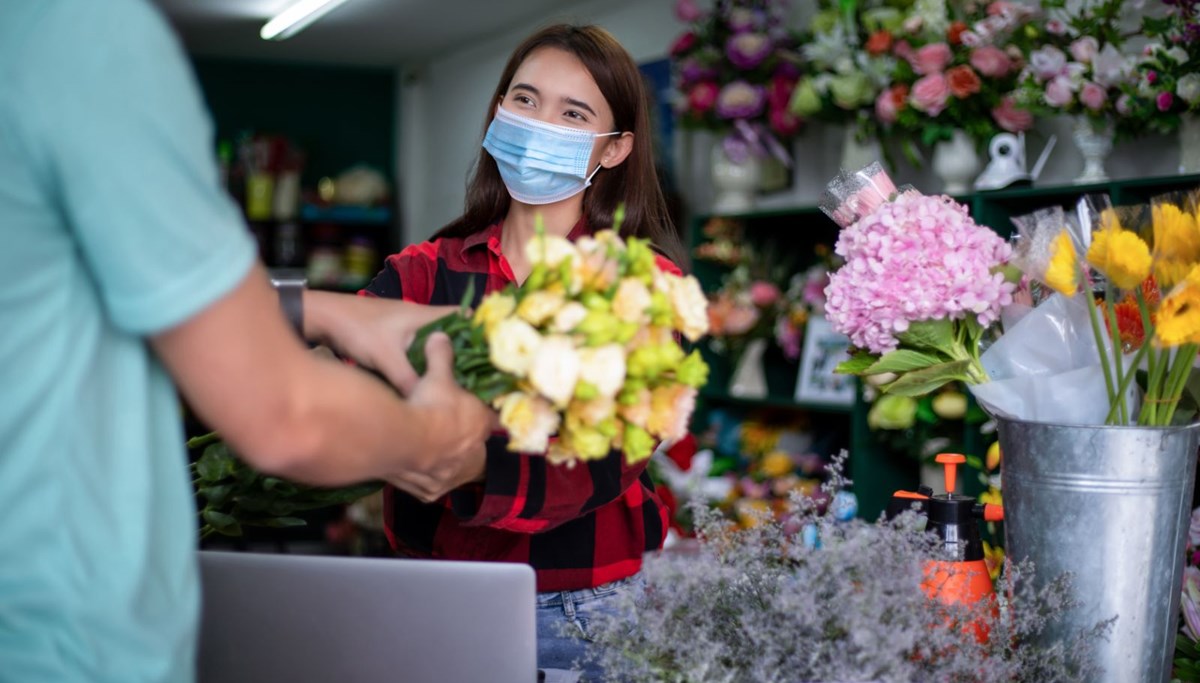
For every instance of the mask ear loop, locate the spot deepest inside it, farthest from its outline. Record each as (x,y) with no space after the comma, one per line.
(588,181)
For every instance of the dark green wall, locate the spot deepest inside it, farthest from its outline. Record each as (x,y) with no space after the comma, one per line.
(340,116)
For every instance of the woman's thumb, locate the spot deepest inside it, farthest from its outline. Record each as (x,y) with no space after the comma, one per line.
(439,357)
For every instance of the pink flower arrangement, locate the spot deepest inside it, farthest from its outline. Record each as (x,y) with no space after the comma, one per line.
(919,275)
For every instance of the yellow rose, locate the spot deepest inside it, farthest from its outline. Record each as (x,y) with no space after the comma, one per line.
(604,368)
(494,308)
(555,369)
(591,413)
(538,307)
(512,346)
(631,301)
(568,317)
(690,304)
(529,420)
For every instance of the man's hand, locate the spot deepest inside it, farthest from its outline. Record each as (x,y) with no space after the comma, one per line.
(375,333)
(458,422)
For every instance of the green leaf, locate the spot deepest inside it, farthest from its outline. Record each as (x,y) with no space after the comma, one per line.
(921,382)
(216,495)
(902,360)
(859,362)
(223,523)
(930,335)
(215,463)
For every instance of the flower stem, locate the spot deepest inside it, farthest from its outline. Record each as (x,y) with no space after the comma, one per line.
(1181,369)
(1137,359)
(1104,364)
(1151,355)
(1115,338)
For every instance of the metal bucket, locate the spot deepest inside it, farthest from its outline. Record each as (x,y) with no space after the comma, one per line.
(1111,505)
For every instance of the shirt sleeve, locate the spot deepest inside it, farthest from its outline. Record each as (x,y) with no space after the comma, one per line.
(116,122)
(408,275)
(525,493)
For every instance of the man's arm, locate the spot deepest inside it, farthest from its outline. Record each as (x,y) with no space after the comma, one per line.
(292,414)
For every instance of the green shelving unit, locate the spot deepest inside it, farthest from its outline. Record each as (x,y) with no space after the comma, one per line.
(876,472)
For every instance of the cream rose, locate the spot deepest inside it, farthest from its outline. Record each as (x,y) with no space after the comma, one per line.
(604,368)
(690,304)
(512,346)
(538,307)
(568,317)
(550,250)
(529,420)
(637,413)
(593,412)
(670,408)
(493,309)
(631,301)
(555,369)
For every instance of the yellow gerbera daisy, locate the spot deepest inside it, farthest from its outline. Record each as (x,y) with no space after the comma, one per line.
(1062,272)
(1178,320)
(1176,243)
(1121,256)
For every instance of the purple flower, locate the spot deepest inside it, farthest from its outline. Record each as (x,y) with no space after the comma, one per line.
(1124,105)
(741,19)
(740,100)
(1164,101)
(1194,529)
(1048,62)
(692,70)
(748,50)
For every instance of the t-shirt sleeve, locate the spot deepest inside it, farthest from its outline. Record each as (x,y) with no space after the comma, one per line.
(116,118)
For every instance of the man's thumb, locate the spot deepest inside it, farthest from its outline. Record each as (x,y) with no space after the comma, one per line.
(439,357)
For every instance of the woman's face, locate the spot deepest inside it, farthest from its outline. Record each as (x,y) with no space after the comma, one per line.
(553,86)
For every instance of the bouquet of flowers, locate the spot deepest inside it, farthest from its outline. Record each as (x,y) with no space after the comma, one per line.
(804,297)
(737,66)
(955,70)
(586,349)
(1166,82)
(848,63)
(1077,66)
(920,284)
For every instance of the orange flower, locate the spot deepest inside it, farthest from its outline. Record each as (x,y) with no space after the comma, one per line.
(1129,325)
(879,42)
(954,33)
(963,81)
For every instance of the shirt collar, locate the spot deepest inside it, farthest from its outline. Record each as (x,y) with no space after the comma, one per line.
(490,236)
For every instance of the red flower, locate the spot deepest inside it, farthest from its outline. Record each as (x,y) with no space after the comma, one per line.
(963,81)
(683,43)
(879,42)
(954,33)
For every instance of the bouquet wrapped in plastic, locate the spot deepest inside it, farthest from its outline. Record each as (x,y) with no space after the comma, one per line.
(920,283)
(586,348)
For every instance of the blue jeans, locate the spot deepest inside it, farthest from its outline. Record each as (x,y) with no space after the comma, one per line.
(563,635)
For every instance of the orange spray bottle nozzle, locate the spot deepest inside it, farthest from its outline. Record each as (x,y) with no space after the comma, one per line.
(951,461)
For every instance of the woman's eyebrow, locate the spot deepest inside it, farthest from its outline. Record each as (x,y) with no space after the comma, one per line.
(569,100)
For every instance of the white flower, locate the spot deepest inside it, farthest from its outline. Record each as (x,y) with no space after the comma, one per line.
(568,317)
(1110,68)
(537,307)
(690,304)
(1178,54)
(593,267)
(604,368)
(549,249)
(529,420)
(631,301)
(512,345)
(670,409)
(555,369)
(694,483)
(593,412)
(1188,88)
(1048,62)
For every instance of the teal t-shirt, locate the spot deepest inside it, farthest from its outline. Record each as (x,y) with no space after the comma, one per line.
(112,229)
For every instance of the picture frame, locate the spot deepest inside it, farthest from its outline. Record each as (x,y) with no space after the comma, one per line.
(823,350)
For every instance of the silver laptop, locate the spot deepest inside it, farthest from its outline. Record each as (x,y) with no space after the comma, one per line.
(312,619)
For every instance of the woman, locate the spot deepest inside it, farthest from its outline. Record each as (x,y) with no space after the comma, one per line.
(567,139)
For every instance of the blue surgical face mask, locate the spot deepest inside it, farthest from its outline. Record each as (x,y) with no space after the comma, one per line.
(540,163)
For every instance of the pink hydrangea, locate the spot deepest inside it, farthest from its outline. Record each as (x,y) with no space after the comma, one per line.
(916,258)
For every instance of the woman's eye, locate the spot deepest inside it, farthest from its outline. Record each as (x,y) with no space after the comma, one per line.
(572,114)
(523,99)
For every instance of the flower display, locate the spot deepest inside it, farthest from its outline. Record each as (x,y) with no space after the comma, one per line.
(956,65)
(921,282)
(737,65)
(1166,82)
(582,359)
(804,298)
(848,63)
(1077,65)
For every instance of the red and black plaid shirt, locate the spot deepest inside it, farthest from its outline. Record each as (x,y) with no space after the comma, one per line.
(578,527)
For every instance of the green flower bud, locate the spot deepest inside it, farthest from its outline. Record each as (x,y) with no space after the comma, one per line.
(892,412)
(598,328)
(586,391)
(693,371)
(638,444)
(805,99)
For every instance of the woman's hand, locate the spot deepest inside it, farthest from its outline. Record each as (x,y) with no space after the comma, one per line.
(373,332)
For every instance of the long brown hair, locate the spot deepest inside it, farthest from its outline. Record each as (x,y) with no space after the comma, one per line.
(633,182)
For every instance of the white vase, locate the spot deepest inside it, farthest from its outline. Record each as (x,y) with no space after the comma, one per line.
(855,154)
(1189,144)
(956,163)
(734,184)
(749,380)
(1095,141)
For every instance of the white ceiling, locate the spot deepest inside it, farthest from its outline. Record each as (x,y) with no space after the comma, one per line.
(365,32)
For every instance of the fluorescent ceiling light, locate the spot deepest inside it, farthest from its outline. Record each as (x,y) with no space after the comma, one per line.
(298,15)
